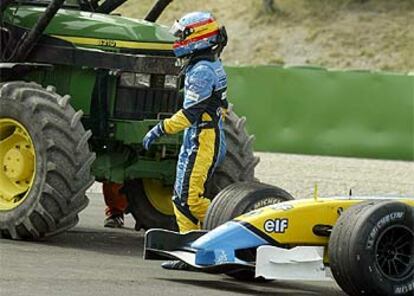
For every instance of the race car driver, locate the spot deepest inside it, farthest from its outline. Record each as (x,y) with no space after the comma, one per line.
(199,43)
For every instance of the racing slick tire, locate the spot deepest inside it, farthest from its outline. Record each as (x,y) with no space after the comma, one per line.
(240,198)
(371,249)
(45,162)
(235,200)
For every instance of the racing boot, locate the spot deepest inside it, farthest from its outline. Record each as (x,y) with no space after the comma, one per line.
(177,265)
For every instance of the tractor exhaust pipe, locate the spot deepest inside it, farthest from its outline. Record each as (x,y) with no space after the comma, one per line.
(29,40)
(157,9)
(108,6)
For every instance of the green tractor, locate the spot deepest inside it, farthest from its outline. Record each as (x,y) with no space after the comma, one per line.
(79,88)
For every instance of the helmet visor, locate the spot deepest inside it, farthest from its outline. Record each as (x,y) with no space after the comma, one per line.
(177,29)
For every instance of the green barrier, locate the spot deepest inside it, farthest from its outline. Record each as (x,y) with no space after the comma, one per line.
(316,111)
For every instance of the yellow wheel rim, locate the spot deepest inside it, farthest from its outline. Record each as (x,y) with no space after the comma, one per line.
(17,163)
(159,196)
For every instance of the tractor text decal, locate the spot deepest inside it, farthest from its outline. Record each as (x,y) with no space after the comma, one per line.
(276,225)
(109,43)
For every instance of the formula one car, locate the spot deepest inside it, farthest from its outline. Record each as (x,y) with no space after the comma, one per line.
(366,243)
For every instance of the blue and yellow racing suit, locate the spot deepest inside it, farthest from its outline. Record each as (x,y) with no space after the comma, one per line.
(203,145)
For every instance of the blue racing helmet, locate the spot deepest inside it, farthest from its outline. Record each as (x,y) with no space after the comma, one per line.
(196,31)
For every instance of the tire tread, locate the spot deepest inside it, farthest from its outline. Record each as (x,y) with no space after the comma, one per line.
(63,167)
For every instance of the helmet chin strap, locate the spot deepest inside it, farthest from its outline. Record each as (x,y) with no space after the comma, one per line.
(209,54)
(183,63)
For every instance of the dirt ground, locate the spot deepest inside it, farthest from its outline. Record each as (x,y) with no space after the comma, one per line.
(346,34)
(336,176)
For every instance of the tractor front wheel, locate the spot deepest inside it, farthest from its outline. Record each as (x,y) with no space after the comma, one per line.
(44,162)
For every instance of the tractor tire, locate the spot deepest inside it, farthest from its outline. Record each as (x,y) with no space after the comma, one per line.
(145,213)
(235,200)
(238,166)
(60,165)
(240,162)
(371,249)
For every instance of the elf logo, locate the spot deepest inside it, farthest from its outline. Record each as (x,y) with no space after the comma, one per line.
(276,225)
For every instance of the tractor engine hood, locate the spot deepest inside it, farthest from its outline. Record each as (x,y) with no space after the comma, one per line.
(86,29)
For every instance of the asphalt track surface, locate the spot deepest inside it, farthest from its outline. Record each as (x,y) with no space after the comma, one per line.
(92,260)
